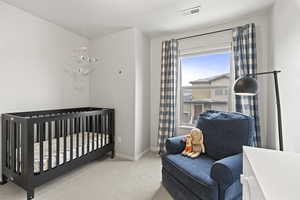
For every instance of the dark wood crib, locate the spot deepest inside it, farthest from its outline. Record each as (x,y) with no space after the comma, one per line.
(39,146)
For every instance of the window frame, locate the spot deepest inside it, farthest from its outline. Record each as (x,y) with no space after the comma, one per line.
(203,52)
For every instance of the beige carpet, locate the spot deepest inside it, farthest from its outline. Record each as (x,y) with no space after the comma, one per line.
(104,179)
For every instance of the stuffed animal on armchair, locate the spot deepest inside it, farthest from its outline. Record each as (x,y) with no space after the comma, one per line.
(197,143)
(188,145)
(194,144)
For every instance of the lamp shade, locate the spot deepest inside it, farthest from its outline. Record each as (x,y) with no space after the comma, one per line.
(245,86)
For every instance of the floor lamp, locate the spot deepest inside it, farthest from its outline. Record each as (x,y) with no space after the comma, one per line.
(247,86)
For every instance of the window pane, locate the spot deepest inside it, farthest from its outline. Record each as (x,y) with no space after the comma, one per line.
(205,85)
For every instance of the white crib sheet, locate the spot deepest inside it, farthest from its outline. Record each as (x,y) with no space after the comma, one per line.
(105,138)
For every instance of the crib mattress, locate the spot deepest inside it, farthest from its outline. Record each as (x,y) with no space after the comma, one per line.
(103,137)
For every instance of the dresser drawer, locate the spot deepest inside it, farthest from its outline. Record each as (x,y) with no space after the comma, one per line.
(251,188)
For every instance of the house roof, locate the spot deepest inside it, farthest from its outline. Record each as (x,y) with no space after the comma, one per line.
(211,78)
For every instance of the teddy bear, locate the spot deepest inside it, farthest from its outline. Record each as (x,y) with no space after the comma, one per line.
(197,143)
(188,145)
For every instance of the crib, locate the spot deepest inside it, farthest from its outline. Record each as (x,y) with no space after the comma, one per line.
(42,145)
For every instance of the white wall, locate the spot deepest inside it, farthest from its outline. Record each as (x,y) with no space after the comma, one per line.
(33,56)
(285,56)
(262,24)
(125,51)
(114,90)
(142,94)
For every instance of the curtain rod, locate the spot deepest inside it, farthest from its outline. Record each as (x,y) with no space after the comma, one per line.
(203,34)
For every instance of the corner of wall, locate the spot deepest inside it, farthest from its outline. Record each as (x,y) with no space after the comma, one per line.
(271,126)
(142,93)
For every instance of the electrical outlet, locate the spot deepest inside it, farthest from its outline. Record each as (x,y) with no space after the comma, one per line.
(119,139)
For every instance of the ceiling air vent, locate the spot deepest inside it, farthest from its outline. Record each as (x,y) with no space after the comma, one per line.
(191,11)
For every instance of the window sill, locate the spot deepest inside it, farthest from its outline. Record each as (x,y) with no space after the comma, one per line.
(186,127)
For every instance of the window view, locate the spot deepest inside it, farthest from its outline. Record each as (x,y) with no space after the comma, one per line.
(205,85)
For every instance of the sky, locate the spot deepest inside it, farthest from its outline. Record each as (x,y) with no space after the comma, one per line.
(203,66)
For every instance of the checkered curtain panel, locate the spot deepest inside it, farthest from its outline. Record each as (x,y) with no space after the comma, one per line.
(168,92)
(245,62)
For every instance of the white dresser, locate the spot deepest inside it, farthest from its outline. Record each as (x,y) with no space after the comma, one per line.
(270,175)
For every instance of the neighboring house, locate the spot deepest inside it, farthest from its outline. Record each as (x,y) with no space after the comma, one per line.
(209,93)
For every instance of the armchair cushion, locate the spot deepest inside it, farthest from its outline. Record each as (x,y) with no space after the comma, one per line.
(228,170)
(194,174)
(175,145)
(225,133)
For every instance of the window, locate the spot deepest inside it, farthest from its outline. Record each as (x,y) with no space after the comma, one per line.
(205,85)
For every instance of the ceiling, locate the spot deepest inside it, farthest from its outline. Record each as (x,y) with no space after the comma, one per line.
(95,18)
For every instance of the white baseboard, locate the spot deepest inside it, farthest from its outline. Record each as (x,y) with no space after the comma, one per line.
(132,158)
(124,156)
(154,149)
(138,156)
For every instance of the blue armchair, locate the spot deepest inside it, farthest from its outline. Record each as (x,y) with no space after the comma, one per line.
(215,174)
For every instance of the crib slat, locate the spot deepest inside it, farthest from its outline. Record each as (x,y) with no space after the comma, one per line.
(13,145)
(111,126)
(105,127)
(18,148)
(97,129)
(77,127)
(61,128)
(71,138)
(8,148)
(88,128)
(4,141)
(41,132)
(10,145)
(82,130)
(101,128)
(65,140)
(76,134)
(37,134)
(50,145)
(57,134)
(21,132)
(93,132)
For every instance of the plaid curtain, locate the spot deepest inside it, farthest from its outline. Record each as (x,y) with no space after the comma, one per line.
(168,92)
(245,62)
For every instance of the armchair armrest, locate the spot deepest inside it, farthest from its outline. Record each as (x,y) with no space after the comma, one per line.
(228,170)
(175,145)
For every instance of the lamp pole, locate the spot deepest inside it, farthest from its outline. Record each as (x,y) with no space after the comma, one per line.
(279,120)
